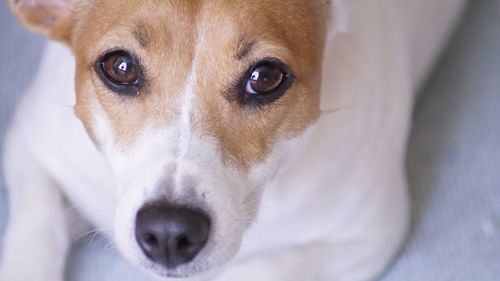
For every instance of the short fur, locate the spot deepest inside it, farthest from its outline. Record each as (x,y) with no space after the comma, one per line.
(309,187)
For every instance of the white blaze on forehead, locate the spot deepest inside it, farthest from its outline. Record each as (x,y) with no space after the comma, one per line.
(187,101)
(186,104)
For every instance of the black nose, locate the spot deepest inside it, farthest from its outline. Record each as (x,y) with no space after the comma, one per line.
(171,236)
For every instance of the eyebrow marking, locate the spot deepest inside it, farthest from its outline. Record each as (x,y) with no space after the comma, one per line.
(141,35)
(244,48)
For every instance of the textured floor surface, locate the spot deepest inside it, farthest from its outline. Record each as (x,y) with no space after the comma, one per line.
(453,158)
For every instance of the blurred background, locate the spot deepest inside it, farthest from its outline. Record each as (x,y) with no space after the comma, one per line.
(453,158)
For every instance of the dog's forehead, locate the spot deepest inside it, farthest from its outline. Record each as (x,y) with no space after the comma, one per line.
(197,49)
(290,20)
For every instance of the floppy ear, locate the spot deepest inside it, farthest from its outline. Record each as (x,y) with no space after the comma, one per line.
(338,17)
(52,18)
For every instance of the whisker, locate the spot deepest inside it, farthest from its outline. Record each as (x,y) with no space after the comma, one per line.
(90,238)
(88,233)
(68,106)
(110,247)
(94,232)
(330,111)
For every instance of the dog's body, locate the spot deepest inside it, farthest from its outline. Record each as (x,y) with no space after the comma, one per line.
(334,207)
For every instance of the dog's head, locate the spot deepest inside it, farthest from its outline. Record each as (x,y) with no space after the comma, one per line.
(193,103)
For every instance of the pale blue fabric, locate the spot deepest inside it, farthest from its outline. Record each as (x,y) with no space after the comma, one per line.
(453,159)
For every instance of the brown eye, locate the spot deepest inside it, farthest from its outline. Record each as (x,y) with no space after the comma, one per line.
(264,79)
(263,83)
(120,72)
(120,68)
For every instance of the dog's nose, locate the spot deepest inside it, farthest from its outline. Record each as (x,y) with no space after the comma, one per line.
(171,236)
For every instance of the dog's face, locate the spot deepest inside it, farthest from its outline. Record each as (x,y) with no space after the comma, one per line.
(193,103)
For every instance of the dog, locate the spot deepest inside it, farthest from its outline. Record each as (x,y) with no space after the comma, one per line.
(220,140)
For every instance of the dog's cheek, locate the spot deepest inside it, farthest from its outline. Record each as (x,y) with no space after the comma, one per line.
(285,152)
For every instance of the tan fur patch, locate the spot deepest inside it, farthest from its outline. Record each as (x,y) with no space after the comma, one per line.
(291,32)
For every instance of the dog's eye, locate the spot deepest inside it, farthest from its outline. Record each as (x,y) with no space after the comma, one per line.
(264,78)
(264,83)
(120,68)
(120,71)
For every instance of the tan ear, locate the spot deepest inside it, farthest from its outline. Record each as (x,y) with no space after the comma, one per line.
(52,18)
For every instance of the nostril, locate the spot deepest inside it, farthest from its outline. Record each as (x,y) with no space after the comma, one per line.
(183,243)
(171,235)
(151,240)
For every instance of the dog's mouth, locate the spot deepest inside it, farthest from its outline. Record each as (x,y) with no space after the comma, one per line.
(178,238)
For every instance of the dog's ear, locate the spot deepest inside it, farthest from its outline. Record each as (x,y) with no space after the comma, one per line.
(338,17)
(53,18)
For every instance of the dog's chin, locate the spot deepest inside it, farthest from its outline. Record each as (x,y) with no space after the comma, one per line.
(161,274)
(197,270)
(179,274)
(185,272)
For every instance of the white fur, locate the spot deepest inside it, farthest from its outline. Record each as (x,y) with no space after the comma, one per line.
(334,203)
